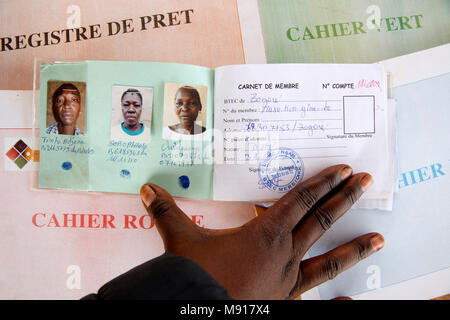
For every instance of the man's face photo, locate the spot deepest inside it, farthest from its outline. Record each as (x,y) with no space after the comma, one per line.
(67,106)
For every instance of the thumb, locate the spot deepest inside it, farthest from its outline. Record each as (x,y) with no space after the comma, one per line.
(169,219)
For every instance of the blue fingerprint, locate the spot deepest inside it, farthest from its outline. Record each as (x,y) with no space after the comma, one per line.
(125,174)
(184,182)
(67,165)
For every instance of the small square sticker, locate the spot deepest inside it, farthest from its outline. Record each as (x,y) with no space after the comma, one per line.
(21,162)
(12,154)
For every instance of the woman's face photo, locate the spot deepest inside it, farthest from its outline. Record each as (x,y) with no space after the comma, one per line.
(131,108)
(67,107)
(187,106)
(185,111)
(131,113)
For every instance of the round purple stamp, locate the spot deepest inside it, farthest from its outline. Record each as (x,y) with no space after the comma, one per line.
(281,170)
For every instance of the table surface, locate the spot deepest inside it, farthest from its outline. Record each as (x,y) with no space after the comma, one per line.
(259,210)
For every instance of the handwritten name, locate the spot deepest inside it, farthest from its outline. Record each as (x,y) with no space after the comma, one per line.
(183,154)
(254,98)
(67,144)
(126,152)
(368,84)
(295,126)
(301,110)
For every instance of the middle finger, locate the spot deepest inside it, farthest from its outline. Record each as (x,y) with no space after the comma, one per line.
(320,218)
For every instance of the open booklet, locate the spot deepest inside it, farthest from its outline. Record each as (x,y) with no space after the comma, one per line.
(240,132)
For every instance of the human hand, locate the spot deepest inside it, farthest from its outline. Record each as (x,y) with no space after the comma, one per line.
(263,258)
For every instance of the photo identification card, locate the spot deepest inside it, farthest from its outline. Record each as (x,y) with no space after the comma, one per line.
(237,133)
(102,126)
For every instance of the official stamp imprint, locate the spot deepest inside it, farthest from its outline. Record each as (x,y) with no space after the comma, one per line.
(281,170)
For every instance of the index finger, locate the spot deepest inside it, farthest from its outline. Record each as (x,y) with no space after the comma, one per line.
(288,210)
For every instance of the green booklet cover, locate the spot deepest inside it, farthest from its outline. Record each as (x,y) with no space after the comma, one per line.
(351,31)
(103,154)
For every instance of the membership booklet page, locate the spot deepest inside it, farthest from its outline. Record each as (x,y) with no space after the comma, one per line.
(280,124)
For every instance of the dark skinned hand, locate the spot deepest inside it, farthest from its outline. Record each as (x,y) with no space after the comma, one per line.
(263,258)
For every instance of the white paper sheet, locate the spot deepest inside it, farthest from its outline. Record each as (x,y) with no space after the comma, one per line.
(283,123)
(414,264)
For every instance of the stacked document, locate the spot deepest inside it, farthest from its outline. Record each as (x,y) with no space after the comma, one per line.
(415,262)
(237,133)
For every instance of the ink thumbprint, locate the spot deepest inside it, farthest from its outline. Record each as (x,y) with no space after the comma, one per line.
(125,174)
(67,165)
(184,182)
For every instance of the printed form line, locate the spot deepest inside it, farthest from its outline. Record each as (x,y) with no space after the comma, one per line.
(336,156)
(319,147)
(234,160)
(301,120)
(278,101)
(301,148)
(303,138)
(246,131)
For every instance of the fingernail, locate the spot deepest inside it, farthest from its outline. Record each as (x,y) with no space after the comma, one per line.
(346,172)
(366,182)
(147,195)
(377,242)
